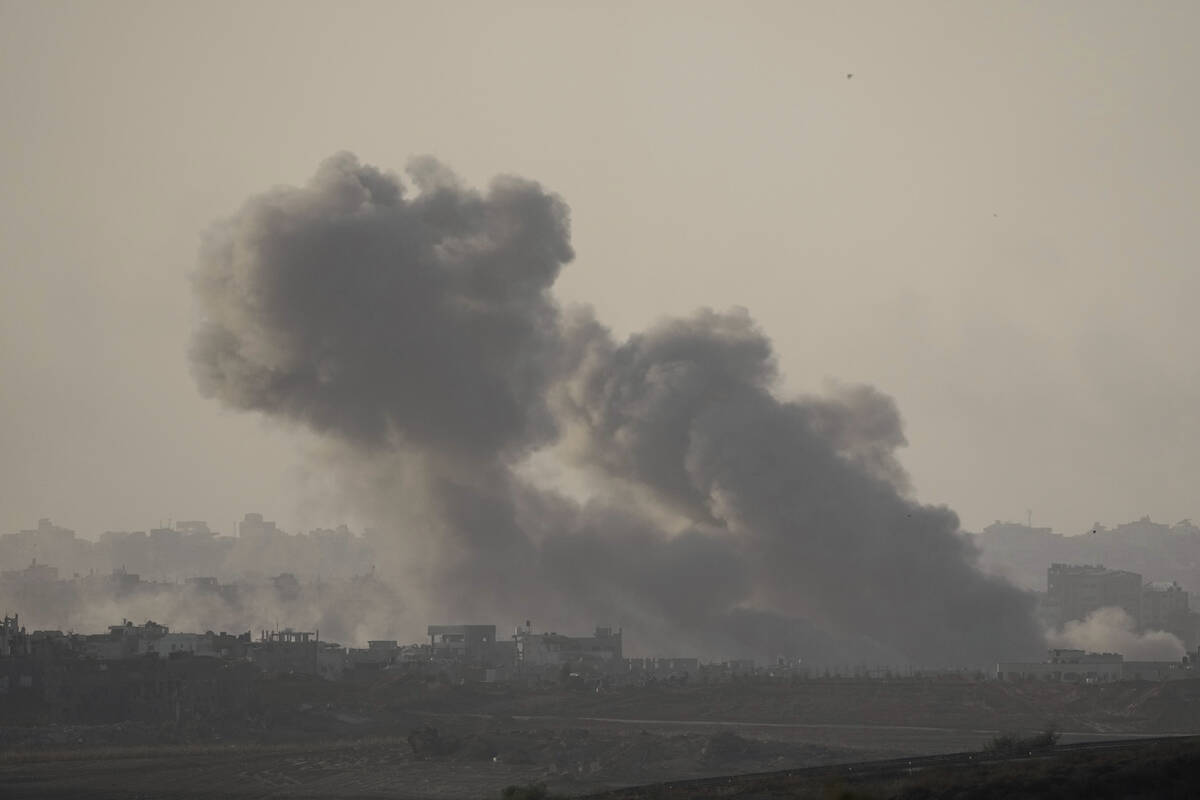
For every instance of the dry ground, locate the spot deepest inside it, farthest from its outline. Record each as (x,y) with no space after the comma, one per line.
(331,740)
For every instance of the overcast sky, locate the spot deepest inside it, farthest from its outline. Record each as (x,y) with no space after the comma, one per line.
(989,221)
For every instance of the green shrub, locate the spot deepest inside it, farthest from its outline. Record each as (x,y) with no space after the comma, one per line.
(530,791)
(1011,744)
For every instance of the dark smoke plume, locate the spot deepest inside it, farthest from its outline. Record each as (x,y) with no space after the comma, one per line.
(419,333)
(388,321)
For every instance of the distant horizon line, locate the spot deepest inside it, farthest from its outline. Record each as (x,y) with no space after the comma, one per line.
(173,526)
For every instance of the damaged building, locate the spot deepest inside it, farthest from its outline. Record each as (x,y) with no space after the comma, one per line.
(291,652)
(600,652)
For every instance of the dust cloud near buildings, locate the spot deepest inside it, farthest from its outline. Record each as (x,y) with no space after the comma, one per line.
(413,327)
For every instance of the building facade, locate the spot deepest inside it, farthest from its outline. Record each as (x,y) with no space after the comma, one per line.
(1075,590)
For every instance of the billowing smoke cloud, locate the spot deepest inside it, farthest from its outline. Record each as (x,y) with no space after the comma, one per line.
(385,321)
(419,334)
(1112,630)
(806,489)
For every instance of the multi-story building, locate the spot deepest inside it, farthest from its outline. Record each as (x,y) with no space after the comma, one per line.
(378,654)
(1164,606)
(254,527)
(1075,590)
(287,651)
(32,574)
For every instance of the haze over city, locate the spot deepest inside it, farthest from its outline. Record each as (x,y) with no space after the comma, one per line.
(611,400)
(987,222)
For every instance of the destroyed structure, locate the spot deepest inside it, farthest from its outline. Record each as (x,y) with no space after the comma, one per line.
(600,652)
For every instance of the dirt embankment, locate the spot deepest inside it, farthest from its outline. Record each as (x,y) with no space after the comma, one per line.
(1155,768)
(1131,707)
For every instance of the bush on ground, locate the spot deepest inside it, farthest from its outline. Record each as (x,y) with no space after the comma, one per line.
(1011,744)
(530,791)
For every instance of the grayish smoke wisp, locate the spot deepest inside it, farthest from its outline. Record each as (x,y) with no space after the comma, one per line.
(421,331)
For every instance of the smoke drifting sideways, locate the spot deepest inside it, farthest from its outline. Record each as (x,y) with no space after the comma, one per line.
(1111,629)
(420,337)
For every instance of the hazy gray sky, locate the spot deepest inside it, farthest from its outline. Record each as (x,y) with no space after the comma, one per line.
(989,221)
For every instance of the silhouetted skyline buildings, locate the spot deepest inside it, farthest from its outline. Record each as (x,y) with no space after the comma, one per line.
(193,576)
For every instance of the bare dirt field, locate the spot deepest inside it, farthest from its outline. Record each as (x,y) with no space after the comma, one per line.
(405,739)
(477,761)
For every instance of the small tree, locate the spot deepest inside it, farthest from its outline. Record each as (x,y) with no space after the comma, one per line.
(530,791)
(1012,744)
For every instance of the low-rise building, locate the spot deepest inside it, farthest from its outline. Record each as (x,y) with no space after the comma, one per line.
(286,651)
(1083,667)
(1065,665)
(376,655)
(177,644)
(600,651)
(468,644)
